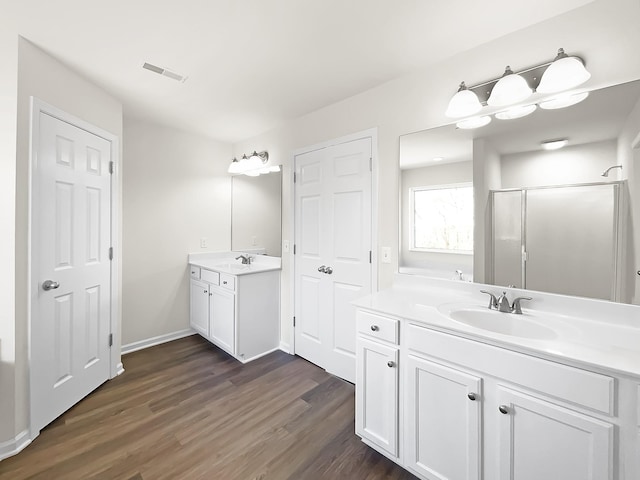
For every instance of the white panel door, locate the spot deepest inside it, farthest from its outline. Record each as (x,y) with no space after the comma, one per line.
(541,440)
(333,245)
(70,324)
(199,313)
(442,421)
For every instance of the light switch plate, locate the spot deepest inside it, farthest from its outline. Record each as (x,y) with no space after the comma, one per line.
(203,242)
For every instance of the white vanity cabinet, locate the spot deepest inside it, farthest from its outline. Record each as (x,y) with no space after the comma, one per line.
(472,411)
(238,313)
(377,382)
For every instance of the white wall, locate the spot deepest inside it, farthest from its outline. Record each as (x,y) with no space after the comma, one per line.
(604,32)
(8,131)
(441,265)
(571,164)
(176,191)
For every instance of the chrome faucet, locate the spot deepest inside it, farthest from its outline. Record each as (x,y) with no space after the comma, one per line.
(246,259)
(502,303)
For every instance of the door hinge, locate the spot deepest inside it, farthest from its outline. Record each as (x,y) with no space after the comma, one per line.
(294,321)
(295,177)
(111,168)
(294,248)
(111,339)
(371,164)
(370,255)
(110,253)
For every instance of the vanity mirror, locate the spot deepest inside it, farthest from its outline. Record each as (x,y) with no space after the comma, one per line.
(256,206)
(561,221)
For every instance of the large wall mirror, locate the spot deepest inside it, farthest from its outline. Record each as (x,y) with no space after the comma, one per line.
(256,213)
(496,205)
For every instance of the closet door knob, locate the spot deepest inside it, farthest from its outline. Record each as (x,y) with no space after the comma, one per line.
(375,328)
(328,270)
(472,396)
(391,364)
(503,409)
(322,269)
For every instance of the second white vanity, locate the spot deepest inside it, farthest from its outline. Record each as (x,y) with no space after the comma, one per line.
(452,390)
(236,306)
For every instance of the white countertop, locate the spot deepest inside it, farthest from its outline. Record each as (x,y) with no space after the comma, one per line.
(225,262)
(588,332)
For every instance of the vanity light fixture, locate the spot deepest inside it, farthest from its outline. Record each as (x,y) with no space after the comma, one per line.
(562,101)
(516,112)
(565,72)
(253,165)
(474,122)
(561,74)
(511,88)
(554,144)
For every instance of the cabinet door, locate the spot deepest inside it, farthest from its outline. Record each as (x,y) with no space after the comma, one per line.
(377,394)
(442,421)
(222,319)
(540,440)
(199,307)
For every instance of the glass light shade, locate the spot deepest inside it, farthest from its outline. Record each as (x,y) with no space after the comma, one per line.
(234,167)
(563,101)
(516,112)
(463,104)
(475,122)
(252,173)
(511,88)
(564,73)
(254,162)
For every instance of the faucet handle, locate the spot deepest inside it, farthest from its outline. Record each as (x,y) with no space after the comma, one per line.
(515,306)
(493,301)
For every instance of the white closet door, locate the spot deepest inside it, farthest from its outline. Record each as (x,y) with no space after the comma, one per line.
(71,239)
(333,244)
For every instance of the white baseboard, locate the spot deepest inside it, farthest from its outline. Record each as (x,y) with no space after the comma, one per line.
(285,347)
(14,446)
(119,369)
(150,342)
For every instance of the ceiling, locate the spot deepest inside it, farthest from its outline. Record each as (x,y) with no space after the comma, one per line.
(255,64)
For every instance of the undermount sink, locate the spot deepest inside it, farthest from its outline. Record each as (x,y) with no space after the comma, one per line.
(232,266)
(497,322)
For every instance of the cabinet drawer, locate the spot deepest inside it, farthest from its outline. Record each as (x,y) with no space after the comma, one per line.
(581,387)
(376,326)
(228,281)
(211,277)
(195,272)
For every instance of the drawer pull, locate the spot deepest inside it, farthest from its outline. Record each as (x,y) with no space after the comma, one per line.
(503,409)
(472,396)
(224,282)
(375,328)
(391,364)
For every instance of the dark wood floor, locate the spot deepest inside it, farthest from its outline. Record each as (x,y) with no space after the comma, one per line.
(187,410)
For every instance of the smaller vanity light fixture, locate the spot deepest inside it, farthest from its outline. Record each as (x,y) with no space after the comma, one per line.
(253,165)
(562,101)
(554,144)
(516,112)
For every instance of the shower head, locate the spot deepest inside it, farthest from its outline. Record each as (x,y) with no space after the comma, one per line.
(606,172)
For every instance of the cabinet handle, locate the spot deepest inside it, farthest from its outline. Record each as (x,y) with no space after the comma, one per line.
(206,291)
(503,409)
(375,328)
(472,396)
(322,269)
(391,364)
(224,282)
(328,270)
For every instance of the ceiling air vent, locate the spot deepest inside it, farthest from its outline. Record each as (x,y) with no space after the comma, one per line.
(165,72)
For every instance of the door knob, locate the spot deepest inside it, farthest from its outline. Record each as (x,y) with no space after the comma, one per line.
(472,396)
(322,269)
(391,364)
(50,285)
(328,270)
(503,409)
